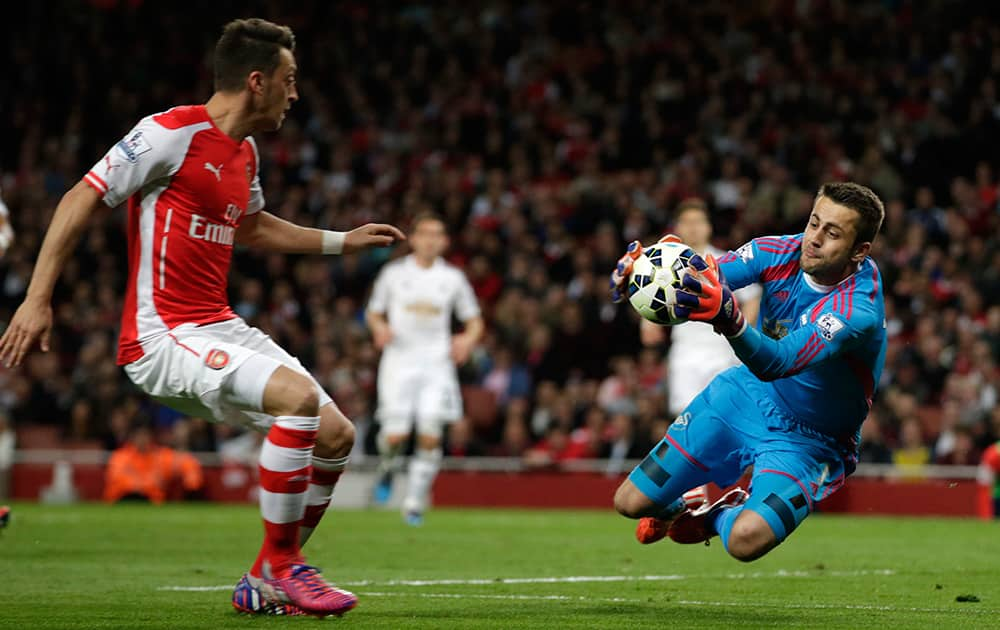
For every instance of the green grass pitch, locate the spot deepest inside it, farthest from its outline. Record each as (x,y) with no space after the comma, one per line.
(94,566)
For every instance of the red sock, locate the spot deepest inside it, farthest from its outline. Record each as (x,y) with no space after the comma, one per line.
(325,473)
(284,481)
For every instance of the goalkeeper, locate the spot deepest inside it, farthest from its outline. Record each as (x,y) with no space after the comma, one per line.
(794,409)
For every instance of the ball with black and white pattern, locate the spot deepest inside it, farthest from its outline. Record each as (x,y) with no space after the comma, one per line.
(656,276)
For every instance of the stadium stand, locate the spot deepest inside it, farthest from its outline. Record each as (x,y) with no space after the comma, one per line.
(549,134)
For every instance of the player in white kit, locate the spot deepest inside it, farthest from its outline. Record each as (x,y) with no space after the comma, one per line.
(410,316)
(697,354)
(190,179)
(6,231)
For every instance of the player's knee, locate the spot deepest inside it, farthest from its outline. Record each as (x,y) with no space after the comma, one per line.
(343,435)
(750,540)
(428,442)
(629,502)
(305,398)
(336,434)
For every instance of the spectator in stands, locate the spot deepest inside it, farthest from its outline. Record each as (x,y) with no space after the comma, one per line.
(507,378)
(141,470)
(557,447)
(963,451)
(460,440)
(911,454)
(516,438)
(873,448)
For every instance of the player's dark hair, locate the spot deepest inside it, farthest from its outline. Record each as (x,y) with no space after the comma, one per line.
(246,46)
(862,200)
(692,203)
(426,215)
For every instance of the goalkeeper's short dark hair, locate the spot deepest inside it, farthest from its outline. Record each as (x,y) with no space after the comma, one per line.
(862,200)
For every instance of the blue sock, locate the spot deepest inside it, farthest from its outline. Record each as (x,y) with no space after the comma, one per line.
(723,521)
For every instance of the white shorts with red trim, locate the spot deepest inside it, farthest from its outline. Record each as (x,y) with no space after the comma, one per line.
(214,371)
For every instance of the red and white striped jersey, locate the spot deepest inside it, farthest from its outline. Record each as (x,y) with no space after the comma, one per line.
(188,185)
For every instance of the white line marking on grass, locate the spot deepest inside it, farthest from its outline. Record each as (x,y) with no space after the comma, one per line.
(558,598)
(572,579)
(576,579)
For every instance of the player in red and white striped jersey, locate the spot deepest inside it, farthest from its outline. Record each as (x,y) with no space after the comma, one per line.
(190,179)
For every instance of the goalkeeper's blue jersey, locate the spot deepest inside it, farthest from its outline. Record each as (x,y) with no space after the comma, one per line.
(819,350)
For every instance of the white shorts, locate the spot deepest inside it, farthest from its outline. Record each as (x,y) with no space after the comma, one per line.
(686,379)
(409,391)
(191,369)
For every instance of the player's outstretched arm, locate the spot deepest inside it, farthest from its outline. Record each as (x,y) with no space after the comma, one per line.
(263,230)
(771,359)
(32,322)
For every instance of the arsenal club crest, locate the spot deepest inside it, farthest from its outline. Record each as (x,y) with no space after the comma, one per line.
(217,359)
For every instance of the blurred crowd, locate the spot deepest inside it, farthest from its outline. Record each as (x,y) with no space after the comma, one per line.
(549,135)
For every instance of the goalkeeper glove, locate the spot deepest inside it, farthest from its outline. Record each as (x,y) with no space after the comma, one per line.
(622,271)
(707,298)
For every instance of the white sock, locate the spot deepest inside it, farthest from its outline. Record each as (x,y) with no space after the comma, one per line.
(389,461)
(325,473)
(424,466)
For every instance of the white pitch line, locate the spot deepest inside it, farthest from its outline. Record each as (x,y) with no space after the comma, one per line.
(574,579)
(558,598)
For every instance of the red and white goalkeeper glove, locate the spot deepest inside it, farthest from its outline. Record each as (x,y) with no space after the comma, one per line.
(707,298)
(622,271)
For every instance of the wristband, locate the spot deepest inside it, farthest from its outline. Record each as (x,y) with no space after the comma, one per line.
(742,329)
(333,242)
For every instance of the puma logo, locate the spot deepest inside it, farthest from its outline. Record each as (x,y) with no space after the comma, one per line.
(215,170)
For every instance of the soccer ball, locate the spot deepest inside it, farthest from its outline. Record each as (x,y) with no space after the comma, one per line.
(656,276)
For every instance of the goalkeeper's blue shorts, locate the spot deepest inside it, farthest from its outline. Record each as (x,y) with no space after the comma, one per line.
(732,425)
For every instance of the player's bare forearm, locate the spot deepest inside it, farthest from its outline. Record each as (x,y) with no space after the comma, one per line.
(473,329)
(68,222)
(263,230)
(375,320)
(463,343)
(378,323)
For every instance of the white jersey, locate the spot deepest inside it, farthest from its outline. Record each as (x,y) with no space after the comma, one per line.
(6,231)
(697,353)
(419,302)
